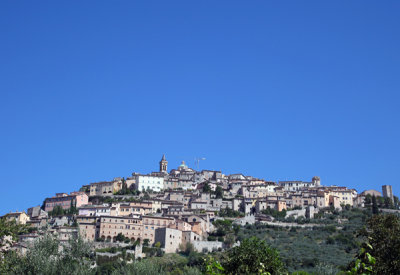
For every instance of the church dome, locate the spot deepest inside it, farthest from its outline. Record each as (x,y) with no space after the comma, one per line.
(316,178)
(182,166)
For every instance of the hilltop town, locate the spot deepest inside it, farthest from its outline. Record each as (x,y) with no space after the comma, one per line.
(172,209)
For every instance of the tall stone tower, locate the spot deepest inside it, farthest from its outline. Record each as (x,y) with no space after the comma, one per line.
(387,191)
(163,165)
(316,181)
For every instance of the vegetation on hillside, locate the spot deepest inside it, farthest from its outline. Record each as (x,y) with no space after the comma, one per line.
(352,241)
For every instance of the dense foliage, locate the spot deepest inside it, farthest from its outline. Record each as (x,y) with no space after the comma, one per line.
(274,213)
(311,248)
(252,256)
(382,237)
(59,211)
(329,245)
(230,213)
(10,228)
(382,202)
(46,257)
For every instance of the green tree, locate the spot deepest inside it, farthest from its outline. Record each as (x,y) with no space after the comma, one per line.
(124,187)
(45,257)
(72,208)
(57,211)
(368,199)
(146,196)
(375,209)
(252,256)
(363,264)
(381,201)
(388,203)
(120,238)
(146,242)
(396,202)
(206,188)
(383,243)
(236,229)
(227,212)
(213,267)
(274,213)
(11,228)
(229,240)
(219,193)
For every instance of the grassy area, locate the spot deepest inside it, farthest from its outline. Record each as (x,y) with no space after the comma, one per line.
(333,245)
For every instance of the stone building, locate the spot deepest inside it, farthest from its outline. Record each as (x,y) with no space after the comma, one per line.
(130,227)
(64,200)
(151,223)
(387,191)
(189,237)
(105,188)
(169,238)
(88,227)
(37,213)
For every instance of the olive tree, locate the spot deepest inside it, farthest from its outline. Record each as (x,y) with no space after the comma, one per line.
(252,257)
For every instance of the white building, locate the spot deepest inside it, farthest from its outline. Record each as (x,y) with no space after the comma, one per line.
(95,210)
(144,182)
(299,185)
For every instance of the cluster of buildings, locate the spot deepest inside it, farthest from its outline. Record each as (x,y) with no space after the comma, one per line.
(172,208)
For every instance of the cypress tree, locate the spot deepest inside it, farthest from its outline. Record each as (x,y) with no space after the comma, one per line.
(375,209)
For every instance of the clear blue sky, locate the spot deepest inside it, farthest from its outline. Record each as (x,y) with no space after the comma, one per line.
(282,90)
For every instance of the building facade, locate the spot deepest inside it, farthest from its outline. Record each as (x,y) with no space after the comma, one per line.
(149,182)
(76,199)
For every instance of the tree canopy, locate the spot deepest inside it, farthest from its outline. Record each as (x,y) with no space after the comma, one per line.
(252,256)
(383,233)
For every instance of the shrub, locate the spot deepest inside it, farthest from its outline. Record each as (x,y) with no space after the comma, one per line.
(211,238)
(251,256)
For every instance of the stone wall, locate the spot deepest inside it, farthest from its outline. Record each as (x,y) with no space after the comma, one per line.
(206,246)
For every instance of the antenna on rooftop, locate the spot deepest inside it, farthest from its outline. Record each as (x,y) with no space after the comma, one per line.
(197,162)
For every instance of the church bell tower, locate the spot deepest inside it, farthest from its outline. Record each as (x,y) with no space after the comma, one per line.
(163,165)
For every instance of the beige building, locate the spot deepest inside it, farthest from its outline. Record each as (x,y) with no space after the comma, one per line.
(18,217)
(128,210)
(258,191)
(151,223)
(181,225)
(261,205)
(200,225)
(130,227)
(346,196)
(334,201)
(150,206)
(322,199)
(105,188)
(87,227)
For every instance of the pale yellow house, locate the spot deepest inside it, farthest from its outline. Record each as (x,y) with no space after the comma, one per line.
(18,217)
